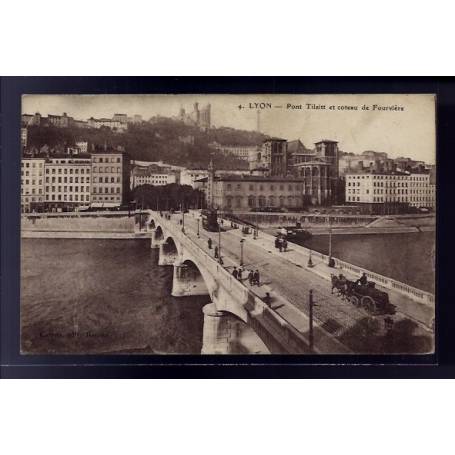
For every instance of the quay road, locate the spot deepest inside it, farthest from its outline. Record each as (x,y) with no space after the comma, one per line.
(288,280)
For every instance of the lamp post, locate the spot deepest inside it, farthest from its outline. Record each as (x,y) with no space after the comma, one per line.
(219,243)
(183,218)
(198,228)
(330,242)
(241,252)
(311,335)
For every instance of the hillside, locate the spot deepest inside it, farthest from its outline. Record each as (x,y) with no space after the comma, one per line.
(161,140)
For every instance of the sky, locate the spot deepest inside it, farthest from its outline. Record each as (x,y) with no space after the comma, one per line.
(409,132)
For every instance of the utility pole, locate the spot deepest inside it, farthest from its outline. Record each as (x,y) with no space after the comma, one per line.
(241,251)
(330,241)
(219,243)
(311,320)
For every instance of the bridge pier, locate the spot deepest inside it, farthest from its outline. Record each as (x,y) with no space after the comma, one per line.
(223,333)
(187,281)
(217,330)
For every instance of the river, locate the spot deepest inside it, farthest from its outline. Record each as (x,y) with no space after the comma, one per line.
(403,257)
(103,296)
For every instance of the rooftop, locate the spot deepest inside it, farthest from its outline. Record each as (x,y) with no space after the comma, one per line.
(255,178)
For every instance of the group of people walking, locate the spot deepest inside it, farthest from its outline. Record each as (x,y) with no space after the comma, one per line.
(253,276)
(281,243)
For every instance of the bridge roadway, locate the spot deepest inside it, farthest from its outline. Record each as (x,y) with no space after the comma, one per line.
(289,281)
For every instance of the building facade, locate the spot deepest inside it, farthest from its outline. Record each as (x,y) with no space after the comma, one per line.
(24,137)
(190,176)
(151,176)
(110,179)
(113,124)
(244,152)
(67,183)
(247,192)
(271,159)
(32,184)
(389,192)
(82,146)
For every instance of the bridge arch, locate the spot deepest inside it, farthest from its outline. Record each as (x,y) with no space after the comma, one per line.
(170,246)
(188,280)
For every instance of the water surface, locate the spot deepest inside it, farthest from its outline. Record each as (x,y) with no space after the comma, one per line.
(101,296)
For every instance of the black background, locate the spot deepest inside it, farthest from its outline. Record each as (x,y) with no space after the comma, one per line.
(13,365)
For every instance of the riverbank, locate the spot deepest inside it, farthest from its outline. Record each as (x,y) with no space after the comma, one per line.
(83,235)
(369,230)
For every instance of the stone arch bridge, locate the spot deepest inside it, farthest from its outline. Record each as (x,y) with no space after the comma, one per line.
(235,314)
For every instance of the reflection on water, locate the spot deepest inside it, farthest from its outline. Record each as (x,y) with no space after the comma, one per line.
(96,296)
(404,257)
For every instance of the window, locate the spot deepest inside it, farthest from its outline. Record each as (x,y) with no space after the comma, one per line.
(229,187)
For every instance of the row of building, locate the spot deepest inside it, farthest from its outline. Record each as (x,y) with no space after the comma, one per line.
(66,183)
(391,192)
(118,123)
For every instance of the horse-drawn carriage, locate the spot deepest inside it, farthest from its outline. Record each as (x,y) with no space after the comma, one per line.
(367,296)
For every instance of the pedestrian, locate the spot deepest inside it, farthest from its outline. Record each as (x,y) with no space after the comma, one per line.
(235,273)
(285,244)
(209,242)
(251,277)
(256,277)
(216,252)
(277,242)
(267,299)
(280,244)
(239,274)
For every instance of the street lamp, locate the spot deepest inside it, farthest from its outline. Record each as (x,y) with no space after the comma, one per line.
(241,251)
(330,243)
(311,335)
(219,243)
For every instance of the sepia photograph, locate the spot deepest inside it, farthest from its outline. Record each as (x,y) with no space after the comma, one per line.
(228,224)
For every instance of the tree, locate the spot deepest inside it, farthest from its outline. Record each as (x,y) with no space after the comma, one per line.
(167,197)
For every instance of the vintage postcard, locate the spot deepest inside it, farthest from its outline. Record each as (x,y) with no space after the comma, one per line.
(228,224)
